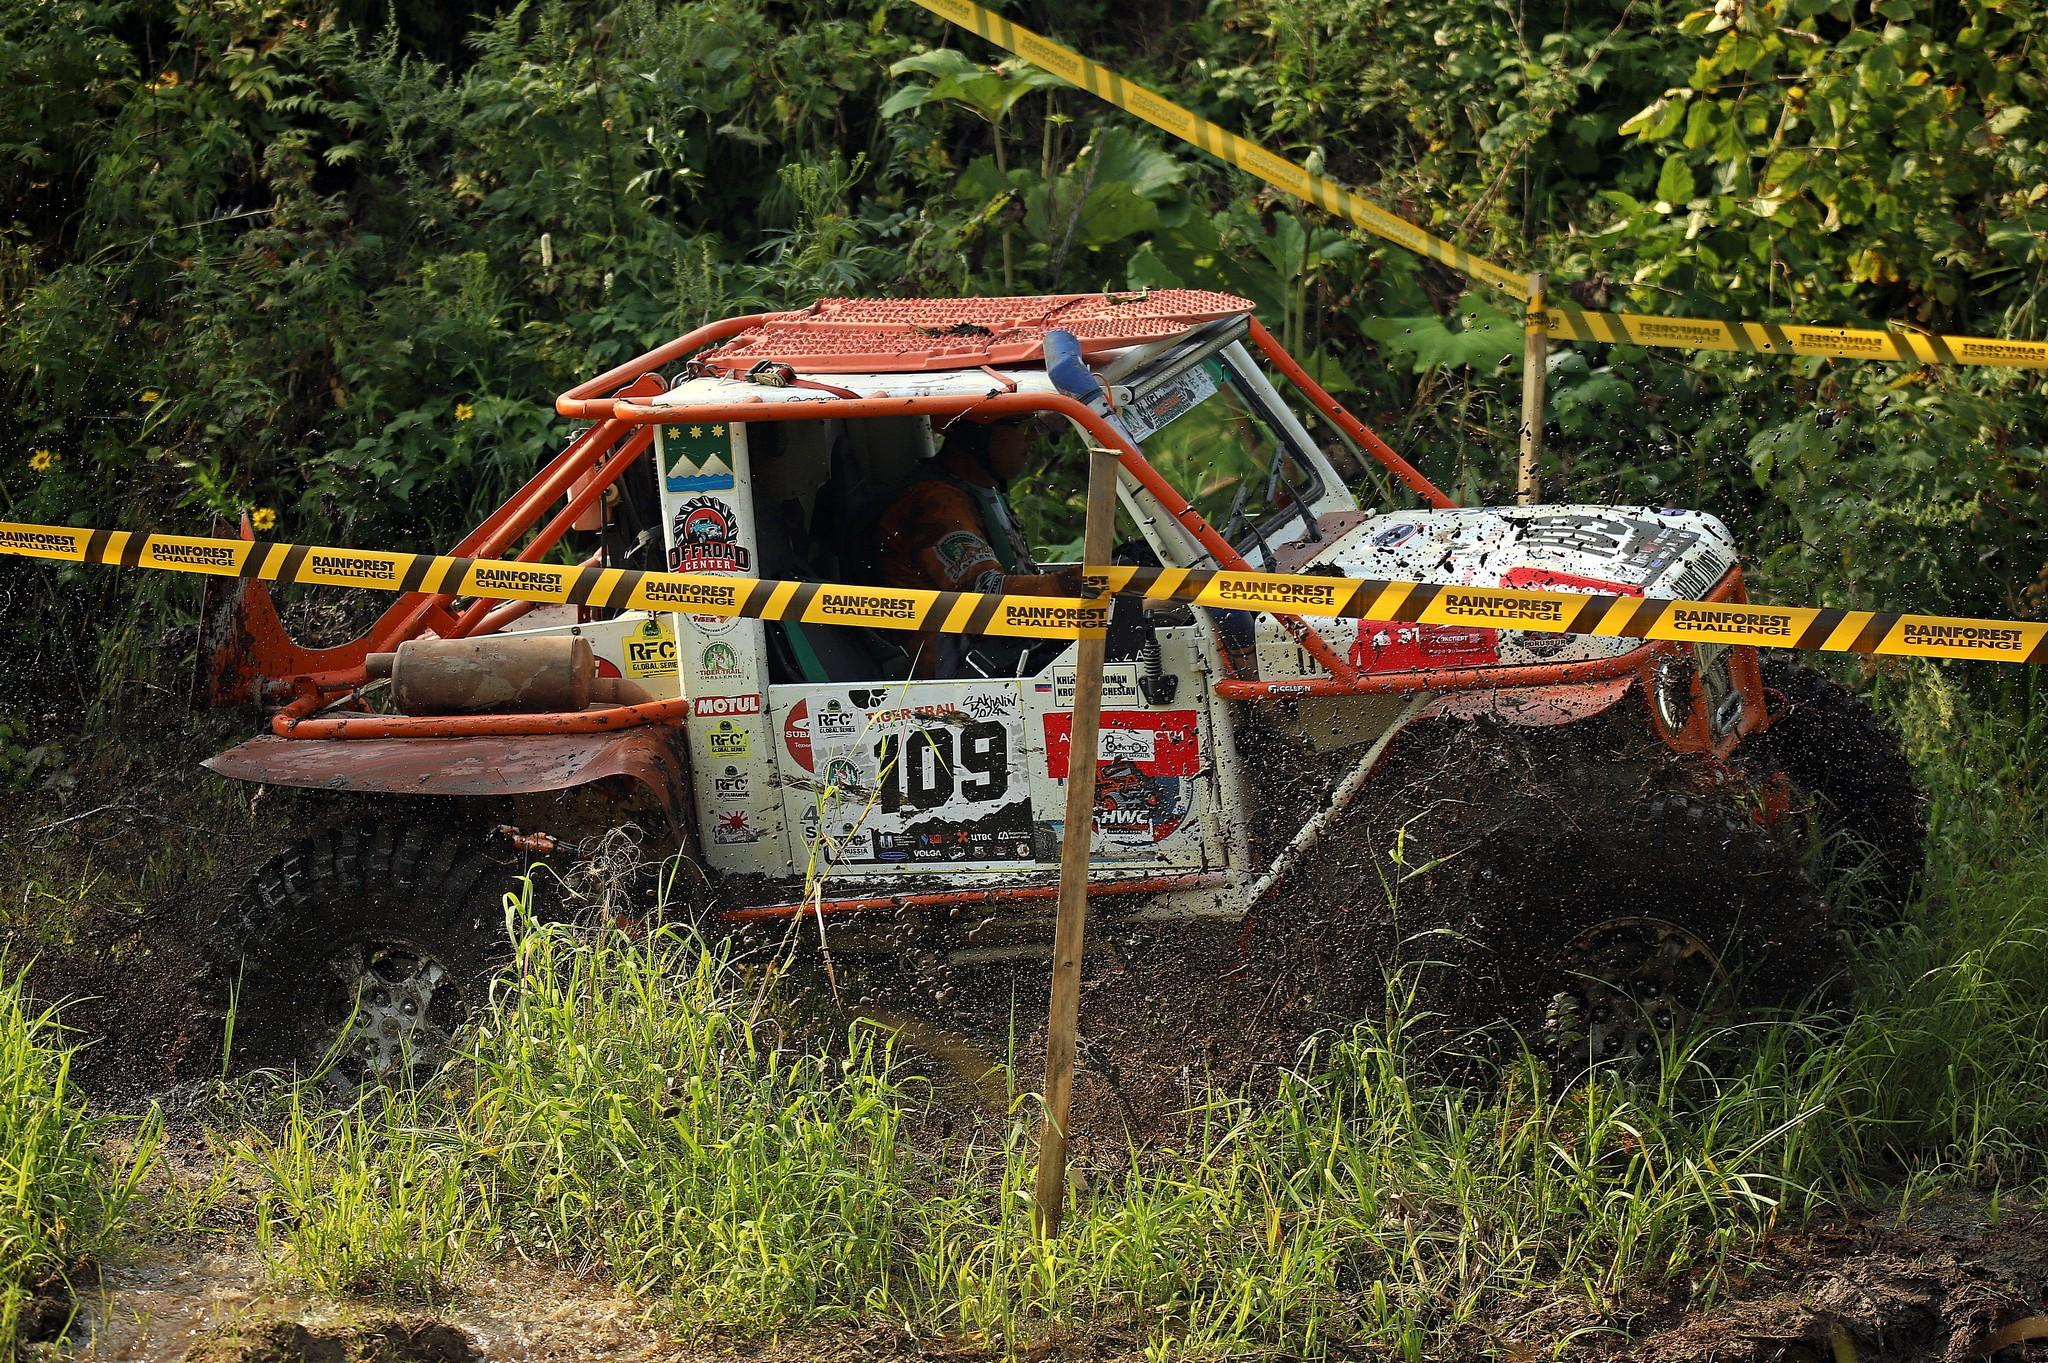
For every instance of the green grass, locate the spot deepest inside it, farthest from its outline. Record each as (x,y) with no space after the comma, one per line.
(63,1198)
(627,1104)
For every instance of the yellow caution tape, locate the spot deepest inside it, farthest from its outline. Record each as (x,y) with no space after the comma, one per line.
(1790,338)
(1674,333)
(1825,629)
(1171,118)
(815,603)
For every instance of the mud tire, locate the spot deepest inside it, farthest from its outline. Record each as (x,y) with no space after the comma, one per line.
(1483,853)
(1849,765)
(431,887)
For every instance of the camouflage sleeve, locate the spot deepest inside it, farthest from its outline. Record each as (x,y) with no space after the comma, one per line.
(933,538)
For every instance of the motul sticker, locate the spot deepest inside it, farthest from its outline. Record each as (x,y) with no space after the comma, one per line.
(1159,742)
(711,706)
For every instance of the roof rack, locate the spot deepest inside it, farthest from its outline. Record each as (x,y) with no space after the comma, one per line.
(896,335)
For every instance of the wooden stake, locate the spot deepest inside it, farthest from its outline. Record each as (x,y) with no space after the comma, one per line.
(1064,1010)
(1535,353)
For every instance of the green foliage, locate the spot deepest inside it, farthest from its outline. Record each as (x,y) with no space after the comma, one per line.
(633,1102)
(353,264)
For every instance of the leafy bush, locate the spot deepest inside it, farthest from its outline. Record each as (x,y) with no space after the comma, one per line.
(280,257)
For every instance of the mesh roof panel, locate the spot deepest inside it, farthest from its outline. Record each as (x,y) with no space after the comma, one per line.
(892,335)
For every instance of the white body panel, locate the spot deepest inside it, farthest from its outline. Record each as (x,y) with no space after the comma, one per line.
(1621,550)
(872,786)
(708,527)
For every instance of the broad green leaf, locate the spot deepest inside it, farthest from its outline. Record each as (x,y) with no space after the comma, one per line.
(1674,184)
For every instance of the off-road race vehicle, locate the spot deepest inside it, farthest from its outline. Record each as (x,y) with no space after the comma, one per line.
(1589,833)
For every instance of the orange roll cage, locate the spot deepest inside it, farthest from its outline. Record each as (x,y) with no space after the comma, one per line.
(615,402)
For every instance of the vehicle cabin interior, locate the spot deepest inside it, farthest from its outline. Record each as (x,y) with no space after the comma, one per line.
(820,488)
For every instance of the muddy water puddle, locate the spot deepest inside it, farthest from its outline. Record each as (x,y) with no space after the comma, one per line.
(221,1305)
(161,1304)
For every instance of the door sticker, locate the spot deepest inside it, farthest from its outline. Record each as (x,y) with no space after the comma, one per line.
(1145,779)
(939,782)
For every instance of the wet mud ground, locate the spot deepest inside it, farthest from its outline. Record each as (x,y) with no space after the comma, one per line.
(1867,1286)
(1864,1285)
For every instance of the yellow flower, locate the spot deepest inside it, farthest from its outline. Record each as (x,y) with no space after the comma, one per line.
(167,80)
(150,395)
(464,411)
(263,518)
(41,460)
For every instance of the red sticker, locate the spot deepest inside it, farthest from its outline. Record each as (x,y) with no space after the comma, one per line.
(1156,742)
(796,733)
(1391,646)
(1543,579)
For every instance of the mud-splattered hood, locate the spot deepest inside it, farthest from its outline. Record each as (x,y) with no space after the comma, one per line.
(1631,550)
(1625,550)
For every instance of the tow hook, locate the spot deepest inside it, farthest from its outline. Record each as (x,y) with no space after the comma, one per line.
(540,844)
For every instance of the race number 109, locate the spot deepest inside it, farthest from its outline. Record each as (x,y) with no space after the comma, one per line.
(930,767)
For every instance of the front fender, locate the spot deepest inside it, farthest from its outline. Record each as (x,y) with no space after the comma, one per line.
(524,765)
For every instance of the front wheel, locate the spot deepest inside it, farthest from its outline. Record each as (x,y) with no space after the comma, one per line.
(1582,883)
(1849,766)
(358,952)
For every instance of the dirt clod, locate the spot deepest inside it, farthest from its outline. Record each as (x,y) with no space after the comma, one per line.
(396,1339)
(1936,1288)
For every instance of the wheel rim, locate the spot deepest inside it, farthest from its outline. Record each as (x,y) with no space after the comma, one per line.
(1631,988)
(383,1024)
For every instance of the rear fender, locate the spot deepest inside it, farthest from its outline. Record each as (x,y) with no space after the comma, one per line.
(245,655)
(651,755)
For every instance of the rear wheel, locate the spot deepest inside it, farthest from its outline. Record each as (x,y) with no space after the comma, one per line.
(361,950)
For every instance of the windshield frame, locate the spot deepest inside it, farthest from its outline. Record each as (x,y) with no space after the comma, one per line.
(1322,491)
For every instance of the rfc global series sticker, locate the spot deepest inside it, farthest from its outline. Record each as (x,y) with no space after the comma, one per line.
(651,649)
(729,740)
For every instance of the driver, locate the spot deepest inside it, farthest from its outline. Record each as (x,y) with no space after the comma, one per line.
(952,529)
